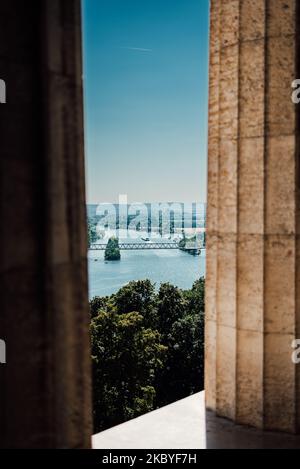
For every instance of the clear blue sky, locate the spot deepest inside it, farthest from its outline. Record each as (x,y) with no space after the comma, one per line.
(146,87)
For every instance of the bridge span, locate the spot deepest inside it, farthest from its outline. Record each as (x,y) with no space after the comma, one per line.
(144,246)
(136,246)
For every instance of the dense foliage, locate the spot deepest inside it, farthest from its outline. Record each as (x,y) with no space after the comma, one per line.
(147,349)
(112,251)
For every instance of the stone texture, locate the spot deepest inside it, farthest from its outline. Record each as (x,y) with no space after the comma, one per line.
(228,86)
(250,283)
(210,363)
(279,285)
(228,187)
(249,378)
(226,371)
(45,391)
(252,89)
(252,20)
(229,22)
(279,383)
(253,288)
(226,290)
(213,202)
(280,185)
(281,63)
(251,208)
(282,17)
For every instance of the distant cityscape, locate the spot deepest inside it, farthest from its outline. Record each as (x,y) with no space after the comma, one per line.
(154,220)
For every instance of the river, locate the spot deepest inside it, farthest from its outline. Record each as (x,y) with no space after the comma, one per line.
(176,267)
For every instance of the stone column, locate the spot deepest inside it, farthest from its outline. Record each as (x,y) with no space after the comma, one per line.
(253,281)
(45,385)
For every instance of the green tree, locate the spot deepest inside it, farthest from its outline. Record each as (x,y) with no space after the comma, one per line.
(181,326)
(126,357)
(196,297)
(183,373)
(146,359)
(98,304)
(139,296)
(112,251)
(171,307)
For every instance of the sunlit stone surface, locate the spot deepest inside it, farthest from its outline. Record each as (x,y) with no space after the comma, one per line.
(186,425)
(252,302)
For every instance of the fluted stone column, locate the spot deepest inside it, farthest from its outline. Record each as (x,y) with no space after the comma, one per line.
(45,390)
(253,265)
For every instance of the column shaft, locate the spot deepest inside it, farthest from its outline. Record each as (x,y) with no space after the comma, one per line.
(252,277)
(45,386)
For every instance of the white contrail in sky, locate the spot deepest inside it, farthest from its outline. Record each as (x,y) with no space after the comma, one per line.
(138,49)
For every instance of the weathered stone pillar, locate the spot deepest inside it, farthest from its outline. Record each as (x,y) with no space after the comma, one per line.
(45,385)
(253,250)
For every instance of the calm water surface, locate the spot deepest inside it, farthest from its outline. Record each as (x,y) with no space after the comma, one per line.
(176,267)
